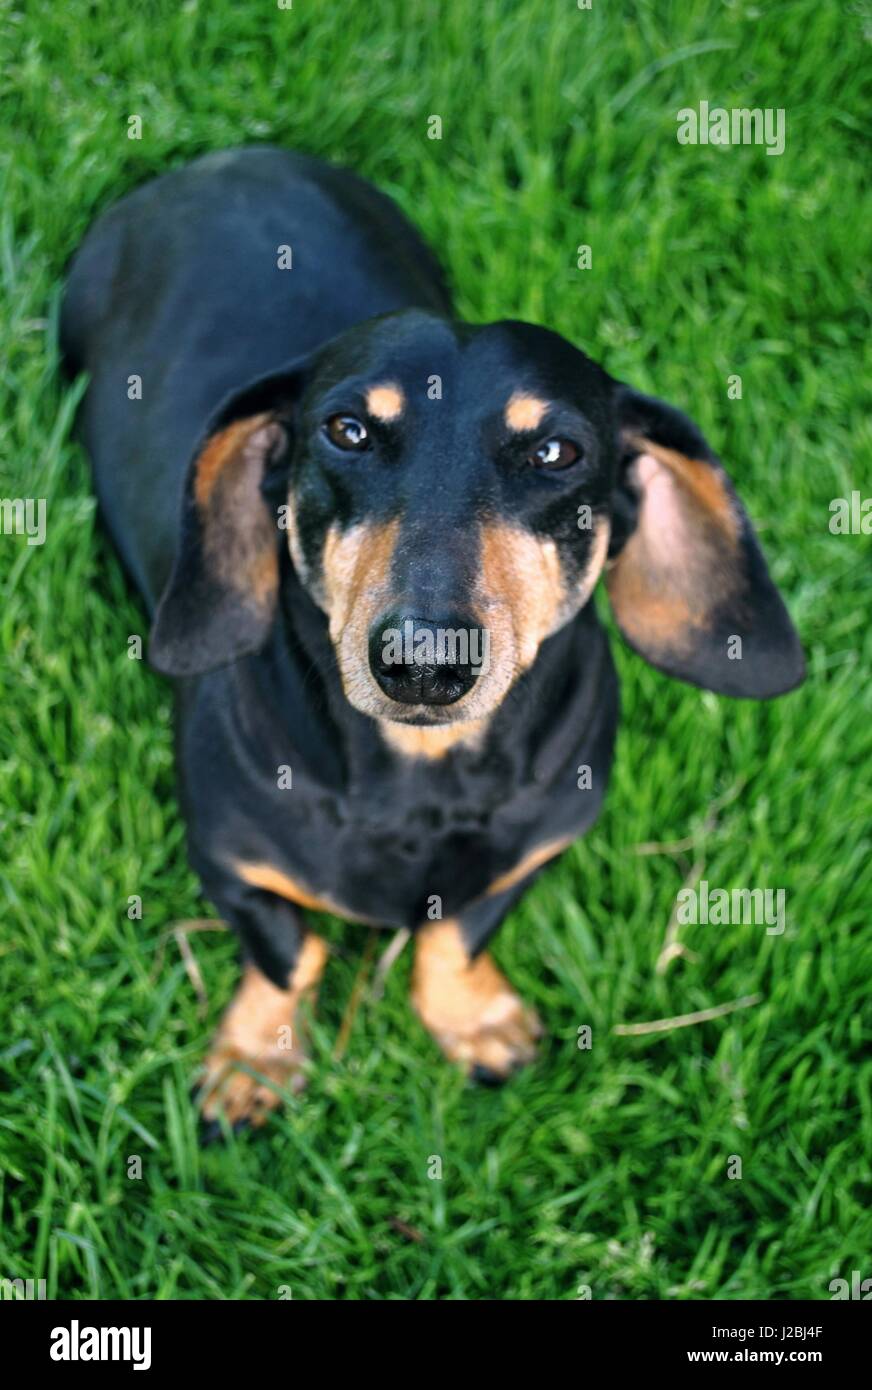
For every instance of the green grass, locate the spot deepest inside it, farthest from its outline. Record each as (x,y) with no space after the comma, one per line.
(605,1167)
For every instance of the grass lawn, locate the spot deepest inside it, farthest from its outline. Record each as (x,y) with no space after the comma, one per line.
(605,1167)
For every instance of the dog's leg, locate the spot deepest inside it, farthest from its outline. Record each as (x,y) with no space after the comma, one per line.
(262,1029)
(464,1001)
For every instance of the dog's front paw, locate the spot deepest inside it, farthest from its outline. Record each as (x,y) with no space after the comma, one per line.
(470,1008)
(228,1086)
(257,1053)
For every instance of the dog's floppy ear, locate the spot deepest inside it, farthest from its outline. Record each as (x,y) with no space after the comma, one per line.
(688,582)
(220,601)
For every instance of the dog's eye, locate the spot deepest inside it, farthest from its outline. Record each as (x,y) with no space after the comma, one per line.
(555,453)
(346,432)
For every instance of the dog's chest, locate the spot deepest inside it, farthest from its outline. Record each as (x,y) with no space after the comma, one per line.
(382,854)
(396,865)
(376,837)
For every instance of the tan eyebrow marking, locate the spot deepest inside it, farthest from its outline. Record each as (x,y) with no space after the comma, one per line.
(524,412)
(385,402)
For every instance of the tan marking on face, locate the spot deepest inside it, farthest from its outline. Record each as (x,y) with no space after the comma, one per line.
(355,589)
(356,565)
(385,402)
(530,862)
(276,881)
(434,741)
(262,1029)
(523,596)
(524,412)
(468,1006)
(519,599)
(521,582)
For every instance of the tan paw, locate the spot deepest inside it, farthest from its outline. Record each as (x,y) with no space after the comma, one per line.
(226,1086)
(260,1032)
(469,1007)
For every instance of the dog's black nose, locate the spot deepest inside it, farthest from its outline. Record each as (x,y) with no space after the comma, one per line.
(419,661)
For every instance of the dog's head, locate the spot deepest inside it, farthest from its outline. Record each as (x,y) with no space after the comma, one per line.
(449,496)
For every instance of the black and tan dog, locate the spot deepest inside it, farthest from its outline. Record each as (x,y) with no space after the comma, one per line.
(369,535)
